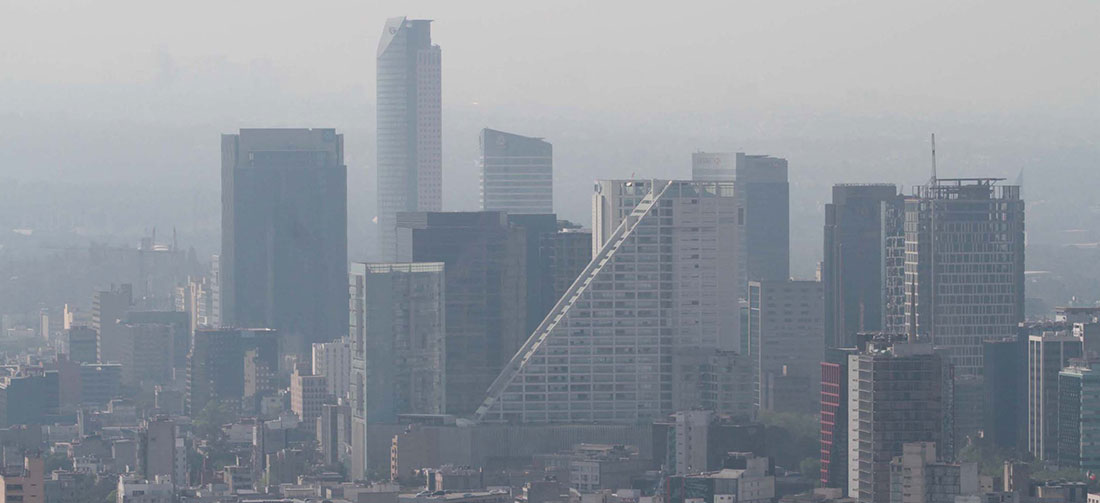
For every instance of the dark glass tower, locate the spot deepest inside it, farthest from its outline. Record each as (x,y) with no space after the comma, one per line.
(763,198)
(284,233)
(485,293)
(854,266)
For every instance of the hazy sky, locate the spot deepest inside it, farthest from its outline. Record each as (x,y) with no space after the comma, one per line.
(614,55)
(847,91)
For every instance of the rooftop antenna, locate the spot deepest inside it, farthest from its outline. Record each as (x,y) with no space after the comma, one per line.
(933,182)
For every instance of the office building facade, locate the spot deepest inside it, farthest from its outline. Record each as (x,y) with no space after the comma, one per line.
(1005,414)
(964,266)
(834,417)
(108,309)
(538,266)
(897,393)
(409,128)
(80,344)
(763,195)
(570,251)
(517,173)
(485,293)
(1079,418)
(788,343)
(283,263)
(1049,351)
(333,360)
(399,354)
(656,286)
(859,222)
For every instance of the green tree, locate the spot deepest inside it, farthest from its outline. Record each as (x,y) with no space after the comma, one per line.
(208,422)
(57,461)
(810,468)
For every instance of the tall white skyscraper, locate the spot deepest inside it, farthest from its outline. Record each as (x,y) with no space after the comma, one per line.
(410,140)
(660,283)
(516,173)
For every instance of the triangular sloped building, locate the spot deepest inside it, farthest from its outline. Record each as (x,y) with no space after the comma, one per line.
(664,279)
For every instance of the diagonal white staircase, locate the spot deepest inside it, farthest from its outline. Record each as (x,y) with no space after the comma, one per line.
(561,308)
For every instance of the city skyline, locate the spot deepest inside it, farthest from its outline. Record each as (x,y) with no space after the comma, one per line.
(752,281)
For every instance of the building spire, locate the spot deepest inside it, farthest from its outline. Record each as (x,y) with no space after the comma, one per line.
(933,181)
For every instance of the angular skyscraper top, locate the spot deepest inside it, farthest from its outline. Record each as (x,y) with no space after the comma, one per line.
(284,233)
(410,140)
(516,173)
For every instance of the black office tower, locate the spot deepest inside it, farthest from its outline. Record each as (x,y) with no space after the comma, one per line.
(284,233)
(484,293)
(858,225)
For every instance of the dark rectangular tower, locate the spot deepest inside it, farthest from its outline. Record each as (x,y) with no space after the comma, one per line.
(763,198)
(284,233)
(854,266)
(484,290)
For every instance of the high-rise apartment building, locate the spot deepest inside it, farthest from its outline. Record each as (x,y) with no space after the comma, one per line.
(283,263)
(834,417)
(398,346)
(410,133)
(333,360)
(1049,351)
(658,285)
(786,336)
(485,294)
(859,224)
(517,173)
(896,394)
(964,266)
(108,309)
(1079,418)
(308,393)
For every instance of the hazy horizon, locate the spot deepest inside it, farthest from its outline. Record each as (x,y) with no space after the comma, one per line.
(126,93)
